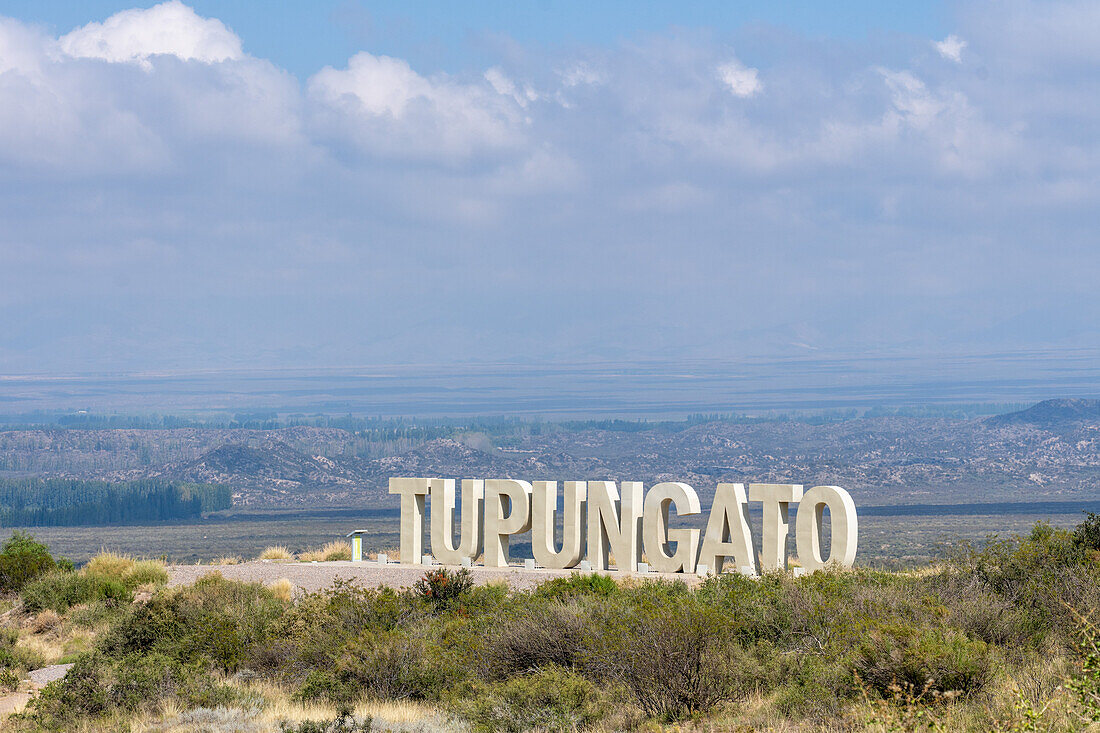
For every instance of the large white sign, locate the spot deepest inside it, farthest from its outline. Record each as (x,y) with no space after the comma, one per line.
(601,521)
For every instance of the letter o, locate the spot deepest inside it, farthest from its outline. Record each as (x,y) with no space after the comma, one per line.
(842,516)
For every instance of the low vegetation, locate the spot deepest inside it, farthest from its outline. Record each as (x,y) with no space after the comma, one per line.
(277,552)
(1000,637)
(338,550)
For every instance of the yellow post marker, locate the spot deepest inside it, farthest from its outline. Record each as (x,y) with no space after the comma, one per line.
(357,544)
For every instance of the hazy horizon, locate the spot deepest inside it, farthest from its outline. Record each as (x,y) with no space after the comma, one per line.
(638,389)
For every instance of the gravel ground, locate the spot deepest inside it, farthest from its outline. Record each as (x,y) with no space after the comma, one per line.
(42,677)
(317,576)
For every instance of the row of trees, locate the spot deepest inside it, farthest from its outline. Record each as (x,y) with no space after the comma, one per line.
(33,502)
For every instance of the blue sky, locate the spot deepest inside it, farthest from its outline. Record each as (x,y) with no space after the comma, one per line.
(305,36)
(257,185)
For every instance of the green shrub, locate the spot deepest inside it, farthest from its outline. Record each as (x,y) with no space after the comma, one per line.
(215,621)
(1040,575)
(142,680)
(532,636)
(1086,535)
(380,665)
(324,684)
(1085,684)
(82,692)
(146,572)
(551,699)
(810,687)
(923,661)
(676,654)
(390,667)
(21,560)
(14,661)
(576,585)
(97,685)
(443,588)
(61,591)
(91,614)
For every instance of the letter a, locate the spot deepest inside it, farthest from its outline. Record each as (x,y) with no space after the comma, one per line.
(727,532)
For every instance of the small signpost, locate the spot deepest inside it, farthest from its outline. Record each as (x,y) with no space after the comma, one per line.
(357,544)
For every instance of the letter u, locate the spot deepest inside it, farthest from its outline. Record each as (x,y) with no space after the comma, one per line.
(442,517)
(544,519)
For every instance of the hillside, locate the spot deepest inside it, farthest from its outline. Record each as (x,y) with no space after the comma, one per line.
(1048,452)
(1053,415)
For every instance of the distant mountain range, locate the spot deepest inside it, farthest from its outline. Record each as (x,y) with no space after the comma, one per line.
(1048,452)
(1052,415)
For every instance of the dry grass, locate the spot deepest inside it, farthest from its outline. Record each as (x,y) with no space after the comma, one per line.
(47,620)
(277,552)
(283,589)
(48,647)
(126,569)
(333,551)
(277,706)
(227,560)
(109,565)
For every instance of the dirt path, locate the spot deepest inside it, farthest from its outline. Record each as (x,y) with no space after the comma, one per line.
(320,575)
(15,702)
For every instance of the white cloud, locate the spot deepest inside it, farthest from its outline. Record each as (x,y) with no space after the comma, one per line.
(505,86)
(390,109)
(741,80)
(911,98)
(170,28)
(951,48)
(21,49)
(581,74)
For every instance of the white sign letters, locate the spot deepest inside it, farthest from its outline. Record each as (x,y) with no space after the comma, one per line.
(620,524)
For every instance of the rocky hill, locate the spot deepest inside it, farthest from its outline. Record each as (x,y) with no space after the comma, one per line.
(1053,415)
(1049,452)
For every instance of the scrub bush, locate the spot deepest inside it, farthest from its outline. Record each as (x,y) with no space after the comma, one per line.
(378,665)
(15,661)
(344,722)
(577,585)
(23,559)
(214,621)
(98,684)
(534,636)
(61,590)
(924,661)
(551,699)
(1086,536)
(443,588)
(677,656)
